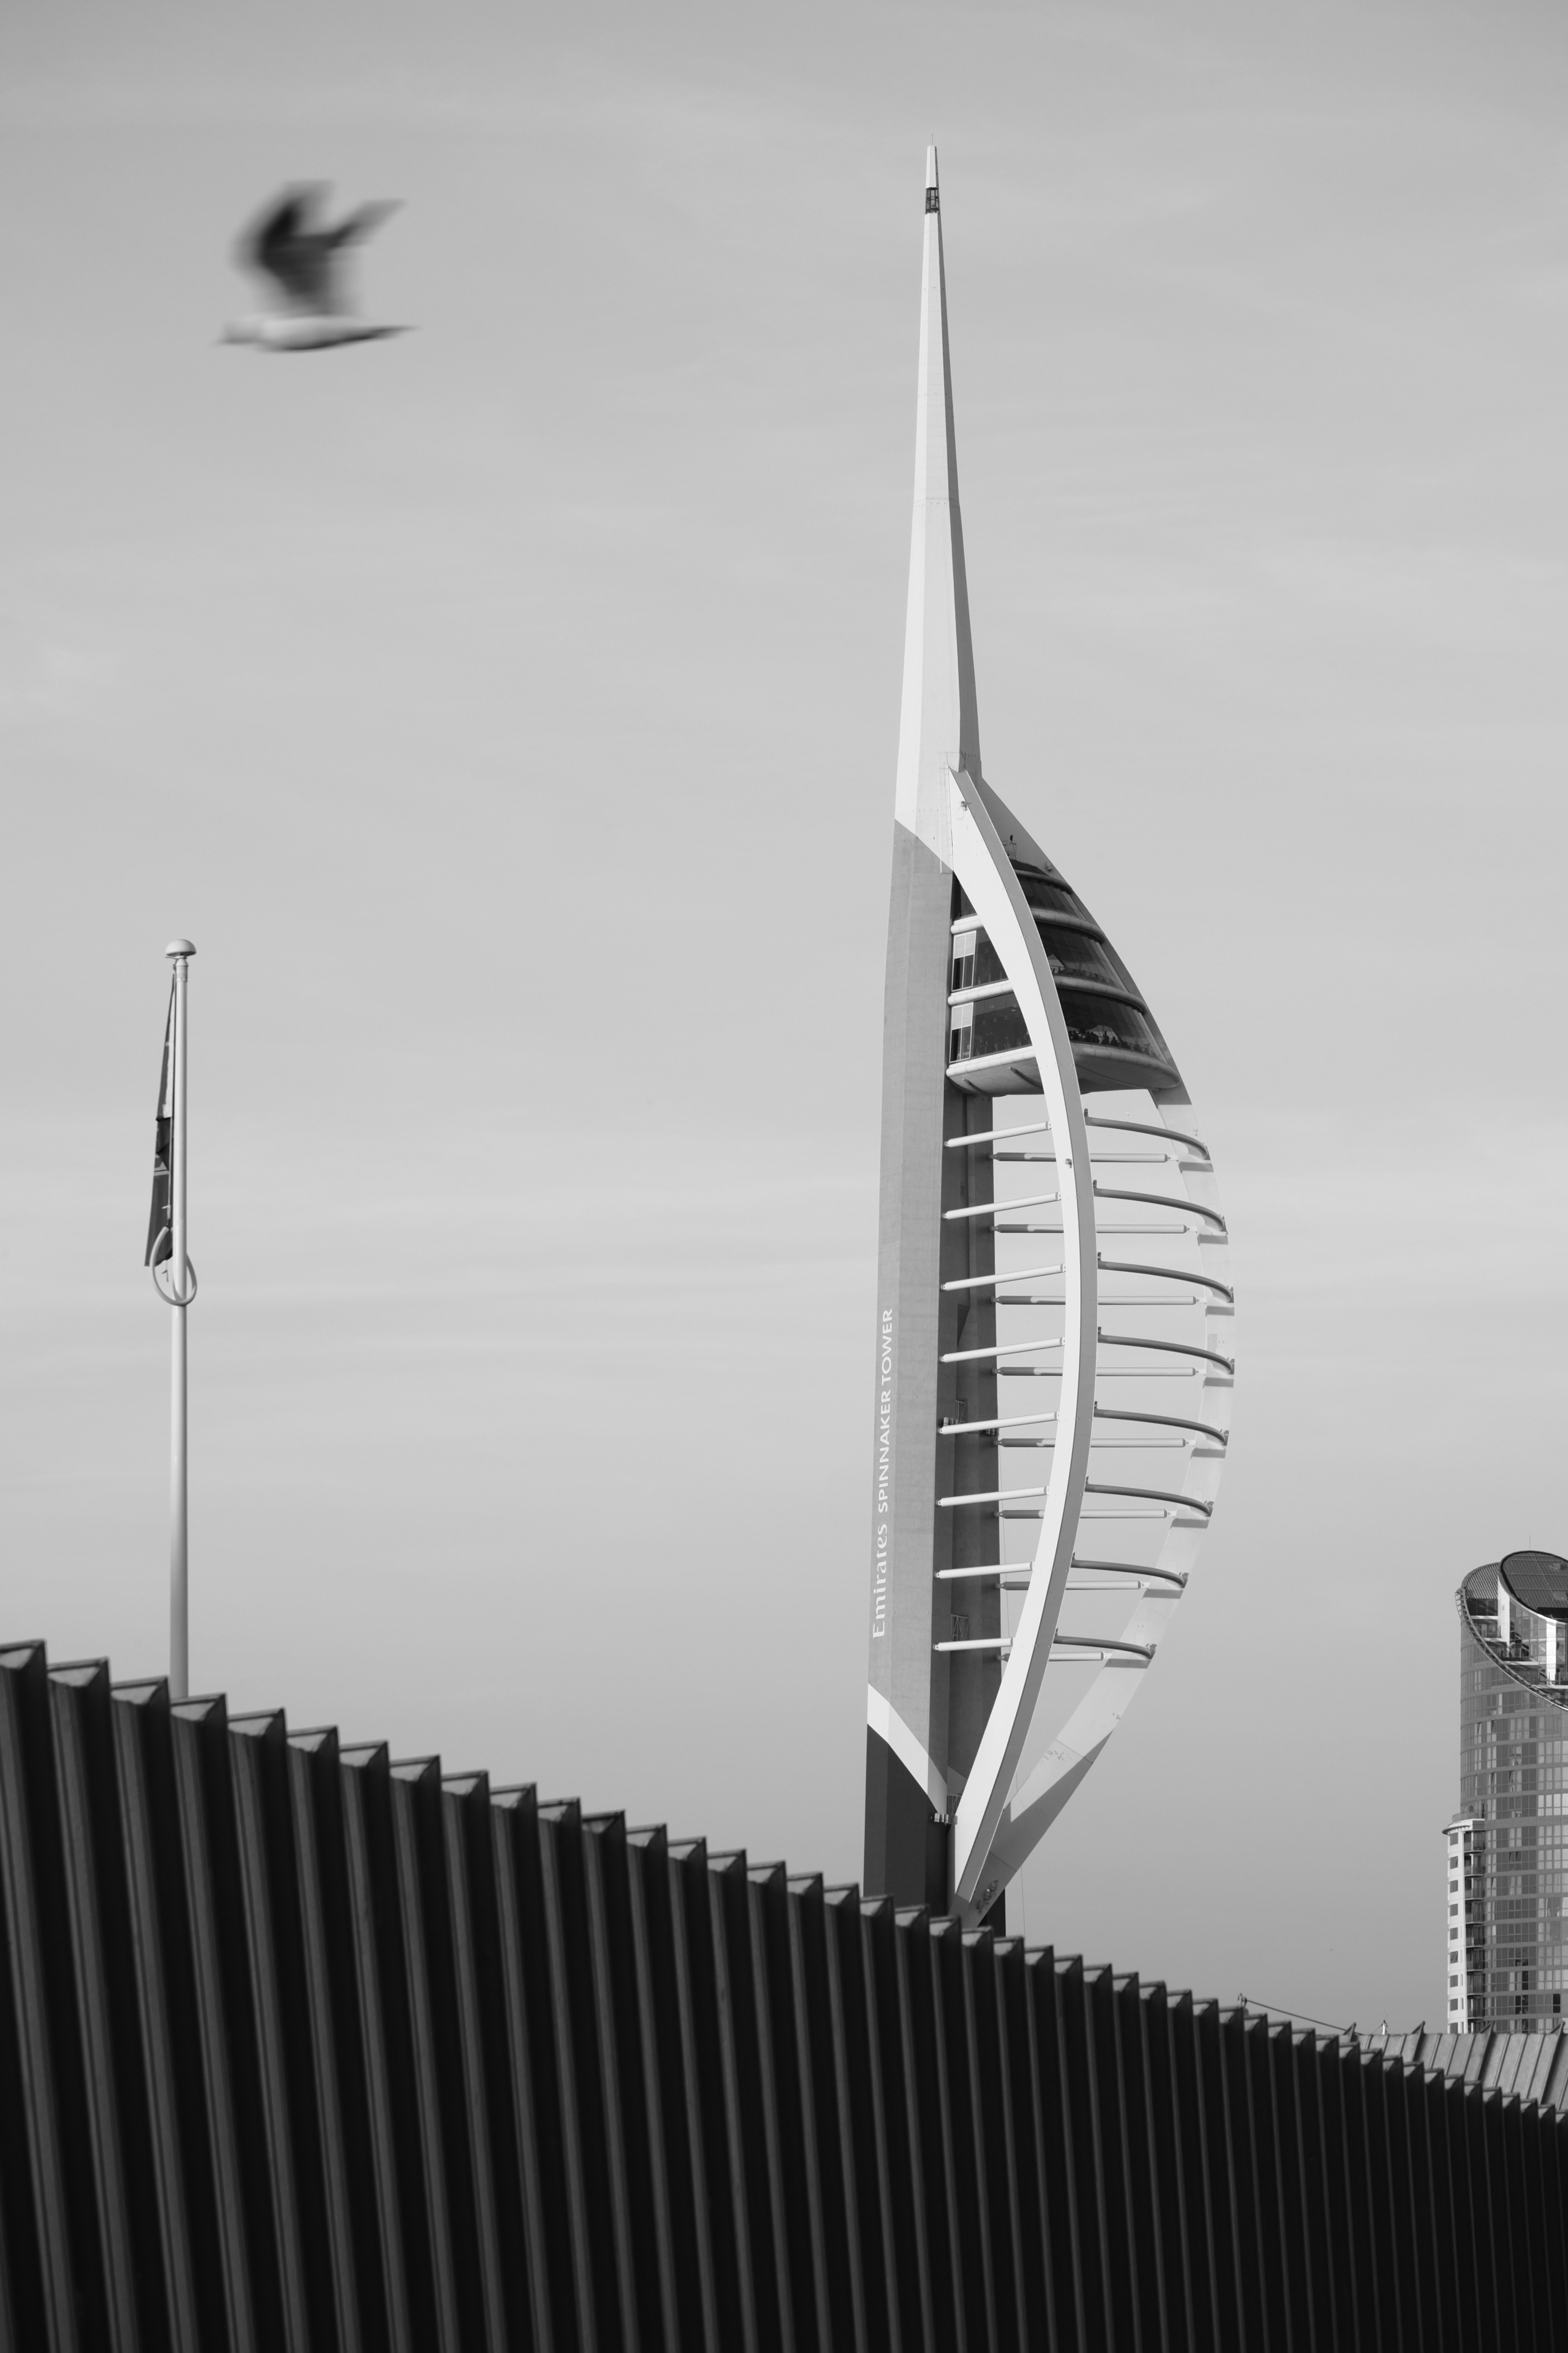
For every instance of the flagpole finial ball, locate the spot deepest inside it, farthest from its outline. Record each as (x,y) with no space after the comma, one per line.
(180,948)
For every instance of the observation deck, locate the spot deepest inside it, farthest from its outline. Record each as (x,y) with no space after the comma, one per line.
(1115,1040)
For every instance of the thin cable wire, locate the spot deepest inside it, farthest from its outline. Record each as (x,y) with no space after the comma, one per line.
(1272,2009)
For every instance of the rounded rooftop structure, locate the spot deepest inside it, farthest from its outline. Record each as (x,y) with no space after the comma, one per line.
(1516,1609)
(1538,1579)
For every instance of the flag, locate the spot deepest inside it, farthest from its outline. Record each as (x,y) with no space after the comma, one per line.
(159,1242)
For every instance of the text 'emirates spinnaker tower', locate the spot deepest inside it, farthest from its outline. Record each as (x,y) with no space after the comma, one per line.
(1054,1360)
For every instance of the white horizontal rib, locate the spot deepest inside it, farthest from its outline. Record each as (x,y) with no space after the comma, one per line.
(1024,1053)
(989,1209)
(1115,1445)
(991,1495)
(1135,1569)
(1016,1576)
(1013,1274)
(993,1135)
(1143,1127)
(1066,1649)
(1007,1421)
(982,989)
(1101,1643)
(1077,1585)
(1162,1201)
(1153,1514)
(1168,1420)
(1166,1347)
(1151,1496)
(1168,1229)
(1012,1348)
(1172,1274)
(1117,1299)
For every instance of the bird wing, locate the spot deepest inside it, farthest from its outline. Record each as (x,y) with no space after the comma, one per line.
(296,258)
(361,223)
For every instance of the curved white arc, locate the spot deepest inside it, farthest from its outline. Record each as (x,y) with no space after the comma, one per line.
(983,867)
(1060,1771)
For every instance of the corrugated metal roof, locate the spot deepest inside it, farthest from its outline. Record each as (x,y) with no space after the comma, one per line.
(303,2047)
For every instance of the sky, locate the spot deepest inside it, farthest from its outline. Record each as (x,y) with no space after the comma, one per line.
(508,710)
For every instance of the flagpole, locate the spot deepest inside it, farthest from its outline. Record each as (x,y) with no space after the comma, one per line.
(179,952)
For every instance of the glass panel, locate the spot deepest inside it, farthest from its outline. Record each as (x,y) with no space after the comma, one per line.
(988,964)
(1075,955)
(1049,898)
(1101,1021)
(999,1026)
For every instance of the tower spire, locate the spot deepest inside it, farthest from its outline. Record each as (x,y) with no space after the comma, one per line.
(1000,982)
(939,729)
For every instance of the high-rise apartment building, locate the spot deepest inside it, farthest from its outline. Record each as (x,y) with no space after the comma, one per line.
(1508,1843)
(1053,1359)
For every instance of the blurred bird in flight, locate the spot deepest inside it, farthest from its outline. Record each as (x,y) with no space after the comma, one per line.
(302,262)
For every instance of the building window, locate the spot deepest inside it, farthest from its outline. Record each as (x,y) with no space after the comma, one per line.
(1045,897)
(1076,956)
(1093,1020)
(960,1033)
(999,1026)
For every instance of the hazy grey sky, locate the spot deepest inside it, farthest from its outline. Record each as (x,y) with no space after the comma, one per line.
(509,714)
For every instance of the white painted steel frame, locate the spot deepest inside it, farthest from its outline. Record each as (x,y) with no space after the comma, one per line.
(985,873)
(951,827)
